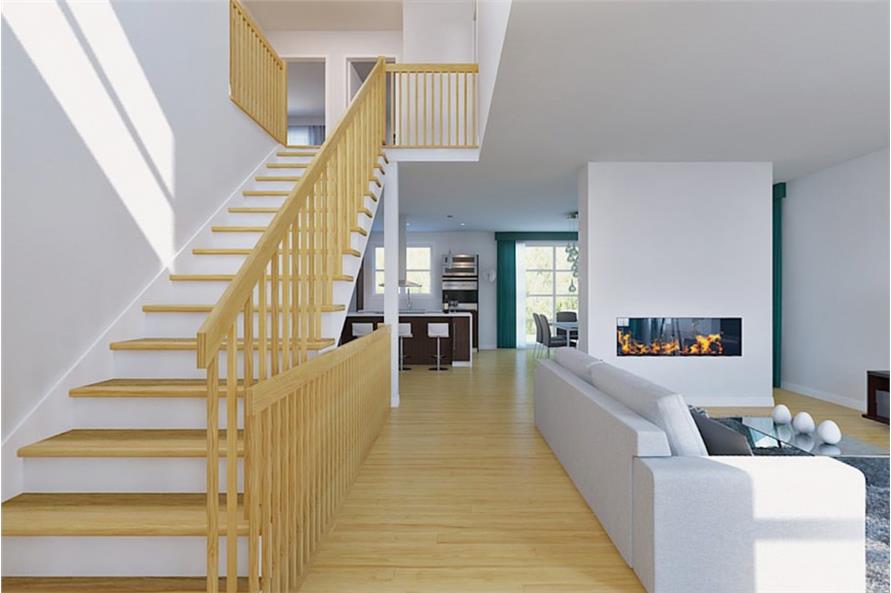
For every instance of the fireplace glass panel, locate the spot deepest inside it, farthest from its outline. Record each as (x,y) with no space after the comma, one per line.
(679,336)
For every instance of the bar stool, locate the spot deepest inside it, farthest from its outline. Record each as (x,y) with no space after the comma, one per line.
(404,332)
(438,331)
(362,329)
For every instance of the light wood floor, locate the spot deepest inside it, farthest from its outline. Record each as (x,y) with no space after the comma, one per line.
(461,494)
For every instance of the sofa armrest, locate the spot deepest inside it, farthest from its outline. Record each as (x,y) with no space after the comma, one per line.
(748,525)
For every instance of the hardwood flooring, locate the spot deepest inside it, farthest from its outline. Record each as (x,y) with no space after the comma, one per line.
(461,494)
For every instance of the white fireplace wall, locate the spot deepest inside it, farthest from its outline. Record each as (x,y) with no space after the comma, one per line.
(680,240)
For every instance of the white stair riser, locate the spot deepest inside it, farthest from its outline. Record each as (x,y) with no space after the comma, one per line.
(291,159)
(229,263)
(276,185)
(135,474)
(162,364)
(145,412)
(112,556)
(187,324)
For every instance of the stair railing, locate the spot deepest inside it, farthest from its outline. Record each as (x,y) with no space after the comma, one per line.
(313,427)
(285,279)
(433,105)
(258,77)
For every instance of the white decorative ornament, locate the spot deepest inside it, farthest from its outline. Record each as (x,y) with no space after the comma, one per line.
(781,415)
(803,423)
(829,432)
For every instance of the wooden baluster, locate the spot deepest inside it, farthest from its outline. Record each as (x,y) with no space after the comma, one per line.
(465,109)
(274,297)
(475,106)
(449,107)
(213,476)
(232,460)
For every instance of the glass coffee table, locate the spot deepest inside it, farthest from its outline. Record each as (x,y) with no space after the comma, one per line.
(763,433)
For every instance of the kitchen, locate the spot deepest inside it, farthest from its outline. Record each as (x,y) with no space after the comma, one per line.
(442,295)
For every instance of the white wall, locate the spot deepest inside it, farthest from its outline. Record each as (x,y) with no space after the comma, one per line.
(492,19)
(336,47)
(481,243)
(835,279)
(102,184)
(438,31)
(681,240)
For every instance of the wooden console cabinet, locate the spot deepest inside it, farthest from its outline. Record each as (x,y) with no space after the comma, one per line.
(876,405)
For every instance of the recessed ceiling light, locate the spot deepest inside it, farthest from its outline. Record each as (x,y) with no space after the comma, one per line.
(462,224)
(449,216)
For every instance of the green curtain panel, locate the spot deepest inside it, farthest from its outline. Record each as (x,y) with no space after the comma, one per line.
(779,192)
(506,293)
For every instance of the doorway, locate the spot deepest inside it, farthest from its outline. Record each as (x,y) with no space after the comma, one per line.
(306,102)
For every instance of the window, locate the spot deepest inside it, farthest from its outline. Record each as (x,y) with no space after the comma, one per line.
(417,269)
(548,276)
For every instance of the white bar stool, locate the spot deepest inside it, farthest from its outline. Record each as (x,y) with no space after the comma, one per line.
(404,332)
(362,329)
(438,331)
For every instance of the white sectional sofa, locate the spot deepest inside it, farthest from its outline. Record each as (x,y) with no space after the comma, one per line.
(684,521)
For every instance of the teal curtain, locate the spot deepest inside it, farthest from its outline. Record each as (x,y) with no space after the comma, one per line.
(506,283)
(506,293)
(779,192)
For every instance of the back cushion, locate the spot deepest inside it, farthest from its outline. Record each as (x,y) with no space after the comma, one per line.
(662,407)
(576,362)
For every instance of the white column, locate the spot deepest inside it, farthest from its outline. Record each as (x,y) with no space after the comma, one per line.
(391,274)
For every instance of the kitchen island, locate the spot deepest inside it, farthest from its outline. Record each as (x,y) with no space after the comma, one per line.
(457,349)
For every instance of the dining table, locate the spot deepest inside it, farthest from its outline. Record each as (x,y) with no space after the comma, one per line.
(571,328)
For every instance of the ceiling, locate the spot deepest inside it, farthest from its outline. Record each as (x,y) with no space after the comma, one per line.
(306,89)
(801,84)
(327,15)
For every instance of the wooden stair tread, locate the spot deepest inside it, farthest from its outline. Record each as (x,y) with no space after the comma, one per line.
(112,584)
(309,153)
(371,195)
(111,514)
(277,178)
(287,165)
(230,277)
(208,308)
(260,229)
(254,210)
(305,146)
(138,387)
(247,251)
(185,344)
(237,229)
(258,193)
(127,443)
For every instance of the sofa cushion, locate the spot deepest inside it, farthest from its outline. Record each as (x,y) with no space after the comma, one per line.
(576,362)
(720,439)
(659,405)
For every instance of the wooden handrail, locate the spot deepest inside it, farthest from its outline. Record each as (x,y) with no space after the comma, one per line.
(258,77)
(226,311)
(311,428)
(289,274)
(309,418)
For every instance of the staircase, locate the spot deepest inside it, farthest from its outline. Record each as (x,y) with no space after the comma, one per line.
(124,495)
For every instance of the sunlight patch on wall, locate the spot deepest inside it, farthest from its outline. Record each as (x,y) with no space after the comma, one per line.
(47,37)
(107,39)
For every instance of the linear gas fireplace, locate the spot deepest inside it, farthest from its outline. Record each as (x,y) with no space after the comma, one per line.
(679,336)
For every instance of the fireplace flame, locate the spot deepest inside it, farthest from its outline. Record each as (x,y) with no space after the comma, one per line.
(704,345)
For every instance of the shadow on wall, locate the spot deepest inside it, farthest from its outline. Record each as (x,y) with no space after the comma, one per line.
(120,140)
